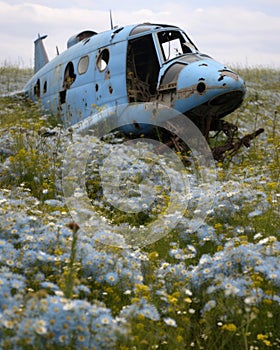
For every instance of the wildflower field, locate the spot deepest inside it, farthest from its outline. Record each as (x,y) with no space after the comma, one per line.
(216,287)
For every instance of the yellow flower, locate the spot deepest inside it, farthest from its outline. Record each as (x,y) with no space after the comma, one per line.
(140,317)
(179,339)
(142,290)
(243,238)
(231,327)
(262,337)
(153,255)
(172,299)
(267,301)
(218,226)
(58,251)
(140,326)
(272,185)
(135,300)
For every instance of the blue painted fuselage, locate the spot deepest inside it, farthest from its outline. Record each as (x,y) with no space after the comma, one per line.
(135,63)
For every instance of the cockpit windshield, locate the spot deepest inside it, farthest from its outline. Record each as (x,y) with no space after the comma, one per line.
(174,43)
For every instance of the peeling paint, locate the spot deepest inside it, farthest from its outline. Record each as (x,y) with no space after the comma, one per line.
(187,92)
(108,75)
(228,73)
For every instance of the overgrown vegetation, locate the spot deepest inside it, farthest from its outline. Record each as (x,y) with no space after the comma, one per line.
(215,288)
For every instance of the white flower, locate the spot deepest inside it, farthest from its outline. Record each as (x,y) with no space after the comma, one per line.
(68,306)
(170,322)
(40,327)
(250,300)
(257,236)
(105,320)
(9,324)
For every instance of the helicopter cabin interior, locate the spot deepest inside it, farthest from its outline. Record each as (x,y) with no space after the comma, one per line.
(142,69)
(143,62)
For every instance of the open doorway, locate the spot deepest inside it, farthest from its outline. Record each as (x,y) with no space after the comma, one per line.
(142,69)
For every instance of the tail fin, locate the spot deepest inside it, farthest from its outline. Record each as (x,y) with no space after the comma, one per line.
(40,56)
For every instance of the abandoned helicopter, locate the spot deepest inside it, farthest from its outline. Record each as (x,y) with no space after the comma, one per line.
(131,64)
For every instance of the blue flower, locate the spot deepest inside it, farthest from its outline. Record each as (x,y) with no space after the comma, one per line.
(143,308)
(256,212)
(111,278)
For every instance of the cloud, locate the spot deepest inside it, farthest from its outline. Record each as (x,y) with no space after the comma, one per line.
(230,34)
(19,25)
(235,34)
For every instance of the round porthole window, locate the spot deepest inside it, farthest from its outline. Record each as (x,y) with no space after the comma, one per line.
(103,60)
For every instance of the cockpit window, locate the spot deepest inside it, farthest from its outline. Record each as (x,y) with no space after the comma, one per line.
(173,43)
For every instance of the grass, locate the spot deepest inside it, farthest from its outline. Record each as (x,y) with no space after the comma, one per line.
(214,288)
(13,78)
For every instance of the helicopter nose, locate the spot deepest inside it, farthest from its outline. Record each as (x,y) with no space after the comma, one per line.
(211,84)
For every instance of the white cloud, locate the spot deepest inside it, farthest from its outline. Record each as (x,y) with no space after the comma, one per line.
(236,34)
(231,34)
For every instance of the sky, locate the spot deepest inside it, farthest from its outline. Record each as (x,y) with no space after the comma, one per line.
(240,33)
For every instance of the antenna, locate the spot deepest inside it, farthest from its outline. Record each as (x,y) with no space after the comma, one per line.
(111,20)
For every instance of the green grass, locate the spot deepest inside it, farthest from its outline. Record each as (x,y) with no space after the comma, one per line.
(13,78)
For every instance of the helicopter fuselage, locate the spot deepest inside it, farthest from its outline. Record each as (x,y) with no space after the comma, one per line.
(132,64)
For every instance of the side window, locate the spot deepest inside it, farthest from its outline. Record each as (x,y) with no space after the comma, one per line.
(103,60)
(37,89)
(45,87)
(83,64)
(69,76)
